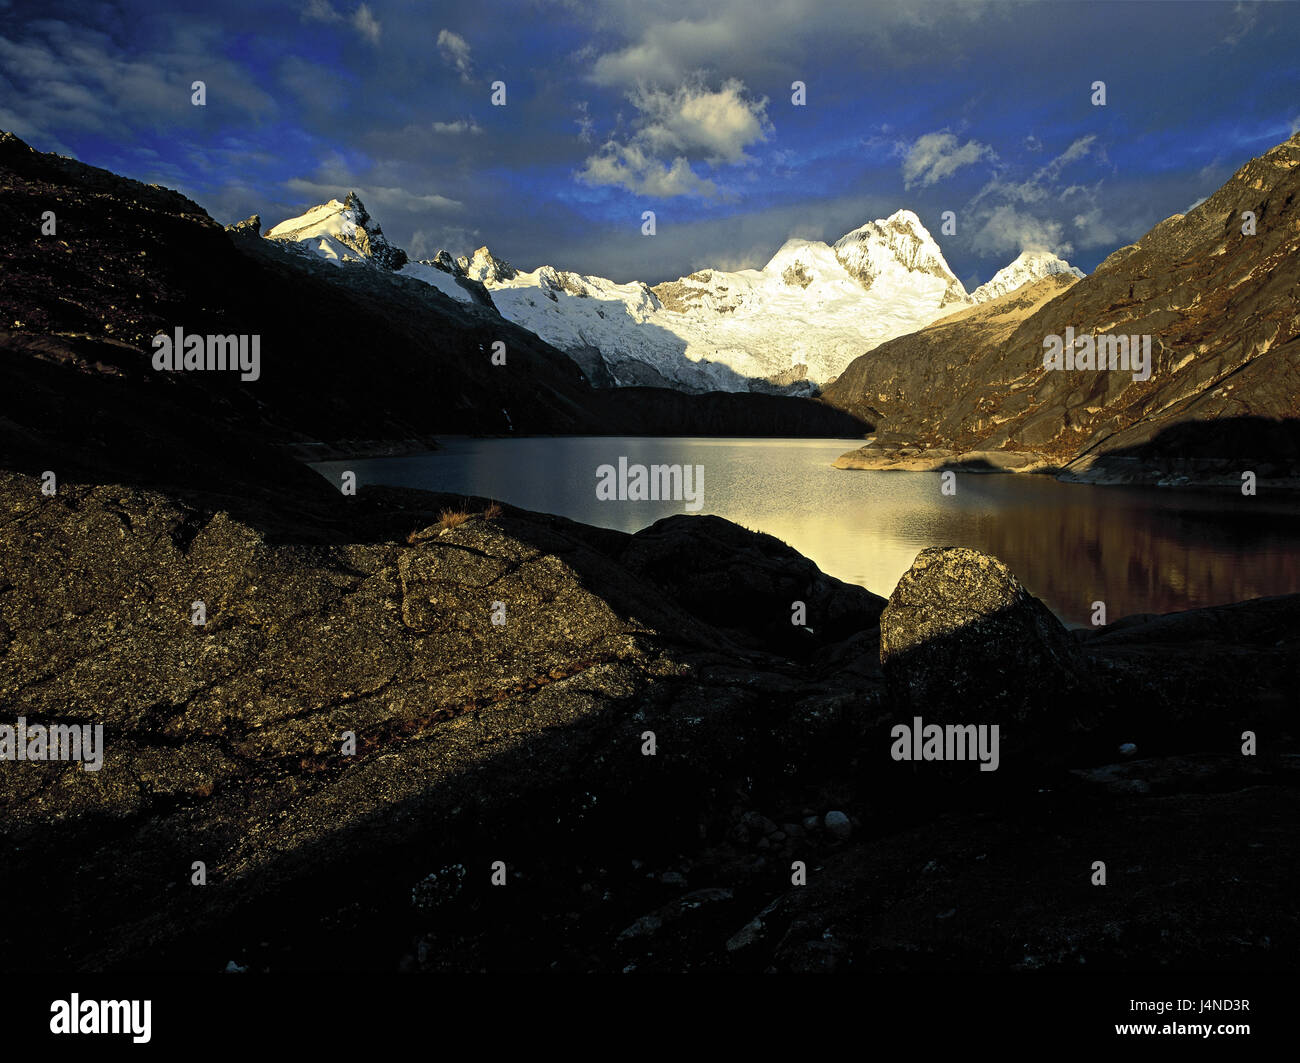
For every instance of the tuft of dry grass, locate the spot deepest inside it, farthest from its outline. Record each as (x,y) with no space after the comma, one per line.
(493,511)
(451,518)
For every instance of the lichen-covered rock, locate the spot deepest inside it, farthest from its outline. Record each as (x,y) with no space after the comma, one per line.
(961,640)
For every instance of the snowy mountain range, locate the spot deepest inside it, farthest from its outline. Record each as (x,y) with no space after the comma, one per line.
(788,327)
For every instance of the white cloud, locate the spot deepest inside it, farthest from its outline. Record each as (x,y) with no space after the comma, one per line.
(1002,224)
(1038,187)
(320,11)
(1006,229)
(664,41)
(334,179)
(935,156)
(363,19)
(456,241)
(1244,17)
(365,23)
(457,128)
(692,122)
(755,257)
(1077,150)
(1097,228)
(586,126)
(455,51)
(629,166)
(666,52)
(70,79)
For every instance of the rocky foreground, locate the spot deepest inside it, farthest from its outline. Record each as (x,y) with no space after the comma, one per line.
(528,742)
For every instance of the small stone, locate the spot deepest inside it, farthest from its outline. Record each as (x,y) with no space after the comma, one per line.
(745,936)
(643,927)
(673,878)
(1128,749)
(757,823)
(811,823)
(838,824)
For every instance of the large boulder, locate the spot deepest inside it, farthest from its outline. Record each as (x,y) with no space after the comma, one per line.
(961,640)
(747,583)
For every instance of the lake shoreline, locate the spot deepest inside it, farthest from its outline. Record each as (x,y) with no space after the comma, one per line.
(1100,471)
(1103,471)
(1138,550)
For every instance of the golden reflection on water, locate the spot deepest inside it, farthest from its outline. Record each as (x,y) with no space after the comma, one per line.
(1136,549)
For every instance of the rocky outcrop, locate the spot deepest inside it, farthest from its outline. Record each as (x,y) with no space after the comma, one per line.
(250,226)
(443,262)
(369,237)
(962,641)
(736,579)
(1212,289)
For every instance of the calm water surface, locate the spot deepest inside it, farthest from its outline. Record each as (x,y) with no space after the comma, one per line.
(1136,549)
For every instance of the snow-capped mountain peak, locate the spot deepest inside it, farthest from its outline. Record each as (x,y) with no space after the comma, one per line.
(341,232)
(897,251)
(486,267)
(1029,266)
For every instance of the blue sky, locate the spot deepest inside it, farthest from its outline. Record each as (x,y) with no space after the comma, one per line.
(613,108)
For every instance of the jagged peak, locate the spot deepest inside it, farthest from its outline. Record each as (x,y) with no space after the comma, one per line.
(901,221)
(484,266)
(901,238)
(346,223)
(251,225)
